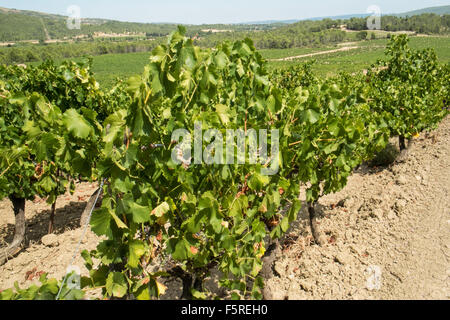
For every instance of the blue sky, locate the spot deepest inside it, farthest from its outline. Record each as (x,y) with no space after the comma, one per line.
(212,11)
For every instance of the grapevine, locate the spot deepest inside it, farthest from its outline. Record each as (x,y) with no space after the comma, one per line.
(162,217)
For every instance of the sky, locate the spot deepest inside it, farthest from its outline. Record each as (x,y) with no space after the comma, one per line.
(213,11)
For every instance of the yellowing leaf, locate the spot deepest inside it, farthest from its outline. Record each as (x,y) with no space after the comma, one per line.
(119,222)
(160,210)
(222,111)
(263,209)
(161,288)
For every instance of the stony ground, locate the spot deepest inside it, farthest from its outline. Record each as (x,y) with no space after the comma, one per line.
(42,253)
(388,234)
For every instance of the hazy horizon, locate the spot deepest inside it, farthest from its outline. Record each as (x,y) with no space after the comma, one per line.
(214,12)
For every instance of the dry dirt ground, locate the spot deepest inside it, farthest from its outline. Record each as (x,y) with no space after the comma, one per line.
(388,234)
(54,257)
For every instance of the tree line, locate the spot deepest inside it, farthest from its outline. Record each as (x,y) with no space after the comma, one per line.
(33,53)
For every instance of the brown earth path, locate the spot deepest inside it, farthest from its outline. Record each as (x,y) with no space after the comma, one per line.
(315,54)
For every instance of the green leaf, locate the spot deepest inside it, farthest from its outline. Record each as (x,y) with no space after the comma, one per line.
(334,129)
(258,181)
(284,224)
(179,249)
(7,294)
(221,59)
(18,99)
(311,116)
(198,295)
(116,284)
(170,77)
(222,111)
(272,104)
(134,83)
(87,259)
(158,54)
(76,124)
(235,296)
(276,233)
(331,148)
(100,221)
(142,293)
(119,222)
(122,185)
(194,223)
(238,206)
(140,213)
(136,249)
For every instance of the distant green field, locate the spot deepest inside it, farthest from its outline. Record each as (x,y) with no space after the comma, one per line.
(440,44)
(332,63)
(108,67)
(361,58)
(111,66)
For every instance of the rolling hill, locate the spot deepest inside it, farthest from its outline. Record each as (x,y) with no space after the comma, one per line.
(22,25)
(436,10)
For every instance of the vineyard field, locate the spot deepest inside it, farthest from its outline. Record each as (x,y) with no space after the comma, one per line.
(111,66)
(314,274)
(357,60)
(213,168)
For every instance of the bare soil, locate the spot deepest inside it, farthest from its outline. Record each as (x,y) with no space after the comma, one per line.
(36,257)
(392,224)
(388,234)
